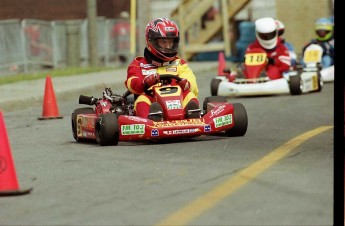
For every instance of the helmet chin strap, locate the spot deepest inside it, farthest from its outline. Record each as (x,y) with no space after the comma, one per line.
(152,59)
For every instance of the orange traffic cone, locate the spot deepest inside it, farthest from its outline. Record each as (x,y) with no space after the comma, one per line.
(8,179)
(50,109)
(221,63)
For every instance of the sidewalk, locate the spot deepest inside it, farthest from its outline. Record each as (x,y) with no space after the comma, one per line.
(30,93)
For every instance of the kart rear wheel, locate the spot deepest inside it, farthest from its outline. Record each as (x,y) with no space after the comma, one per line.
(240,119)
(76,112)
(107,129)
(214,86)
(217,99)
(295,84)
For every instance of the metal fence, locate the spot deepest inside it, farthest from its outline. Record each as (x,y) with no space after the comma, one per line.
(28,44)
(11,45)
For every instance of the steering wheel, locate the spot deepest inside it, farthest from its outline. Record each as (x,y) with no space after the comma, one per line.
(164,79)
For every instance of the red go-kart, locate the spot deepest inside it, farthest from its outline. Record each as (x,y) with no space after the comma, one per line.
(112,119)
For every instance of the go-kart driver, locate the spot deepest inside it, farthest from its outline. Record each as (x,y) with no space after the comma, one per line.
(267,39)
(160,57)
(281,30)
(324,38)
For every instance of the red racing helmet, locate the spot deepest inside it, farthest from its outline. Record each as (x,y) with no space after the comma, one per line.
(162,28)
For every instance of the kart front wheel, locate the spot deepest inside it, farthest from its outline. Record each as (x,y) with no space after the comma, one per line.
(240,119)
(214,86)
(76,112)
(107,129)
(295,84)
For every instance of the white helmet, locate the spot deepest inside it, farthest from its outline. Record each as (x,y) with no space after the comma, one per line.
(280,27)
(266,32)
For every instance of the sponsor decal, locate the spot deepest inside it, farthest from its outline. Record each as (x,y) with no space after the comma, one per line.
(223,120)
(207,128)
(160,64)
(88,134)
(171,69)
(169,29)
(135,118)
(184,122)
(217,111)
(181,131)
(148,72)
(133,129)
(154,133)
(142,65)
(87,122)
(78,126)
(173,104)
(315,83)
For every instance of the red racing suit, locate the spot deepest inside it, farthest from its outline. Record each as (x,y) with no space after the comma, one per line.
(279,55)
(139,68)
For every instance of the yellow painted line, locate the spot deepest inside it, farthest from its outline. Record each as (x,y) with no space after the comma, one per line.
(210,199)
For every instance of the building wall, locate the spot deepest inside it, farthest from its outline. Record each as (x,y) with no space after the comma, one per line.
(262,8)
(164,8)
(299,17)
(59,9)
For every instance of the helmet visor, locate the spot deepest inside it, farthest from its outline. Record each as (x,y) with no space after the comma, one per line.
(268,36)
(280,32)
(322,33)
(166,44)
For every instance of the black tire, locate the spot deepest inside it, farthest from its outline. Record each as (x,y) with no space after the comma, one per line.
(107,129)
(86,110)
(214,86)
(219,99)
(295,84)
(241,121)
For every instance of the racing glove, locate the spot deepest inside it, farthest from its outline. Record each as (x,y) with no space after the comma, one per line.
(270,61)
(184,84)
(151,80)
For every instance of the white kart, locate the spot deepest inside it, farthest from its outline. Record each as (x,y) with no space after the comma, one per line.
(313,54)
(252,80)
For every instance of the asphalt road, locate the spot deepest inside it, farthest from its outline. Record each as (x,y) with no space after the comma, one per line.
(279,173)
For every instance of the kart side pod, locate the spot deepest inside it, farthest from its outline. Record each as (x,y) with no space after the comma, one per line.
(239,114)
